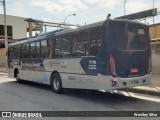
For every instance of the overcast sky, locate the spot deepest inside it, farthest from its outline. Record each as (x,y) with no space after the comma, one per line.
(88,11)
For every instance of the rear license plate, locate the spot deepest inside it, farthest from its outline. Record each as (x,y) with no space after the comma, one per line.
(134,82)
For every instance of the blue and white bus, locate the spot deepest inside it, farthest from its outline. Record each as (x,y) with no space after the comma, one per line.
(106,55)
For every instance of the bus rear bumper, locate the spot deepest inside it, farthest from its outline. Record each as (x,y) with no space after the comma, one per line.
(131,82)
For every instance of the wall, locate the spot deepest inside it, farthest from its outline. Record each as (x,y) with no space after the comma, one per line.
(2,57)
(19,26)
(155,43)
(156,58)
(154,31)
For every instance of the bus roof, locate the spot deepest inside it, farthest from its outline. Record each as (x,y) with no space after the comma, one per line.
(57,32)
(67,30)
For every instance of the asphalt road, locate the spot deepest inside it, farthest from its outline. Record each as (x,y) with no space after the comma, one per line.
(29,96)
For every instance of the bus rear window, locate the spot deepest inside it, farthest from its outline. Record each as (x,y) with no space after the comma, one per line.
(129,36)
(141,31)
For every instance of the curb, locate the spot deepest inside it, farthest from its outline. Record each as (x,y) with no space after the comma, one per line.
(3,72)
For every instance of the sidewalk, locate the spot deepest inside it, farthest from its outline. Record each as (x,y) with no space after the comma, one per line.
(152,89)
(2,69)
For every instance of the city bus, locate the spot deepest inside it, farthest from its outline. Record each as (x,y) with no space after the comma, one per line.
(106,55)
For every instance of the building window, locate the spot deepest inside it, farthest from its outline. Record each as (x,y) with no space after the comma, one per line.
(2,31)
(9,32)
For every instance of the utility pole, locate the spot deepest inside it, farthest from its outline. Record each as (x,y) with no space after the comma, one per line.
(124,7)
(5,32)
(153,8)
(30,29)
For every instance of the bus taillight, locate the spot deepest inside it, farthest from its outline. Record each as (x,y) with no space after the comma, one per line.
(112,65)
(150,63)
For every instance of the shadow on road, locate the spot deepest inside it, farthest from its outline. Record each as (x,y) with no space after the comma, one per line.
(89,95)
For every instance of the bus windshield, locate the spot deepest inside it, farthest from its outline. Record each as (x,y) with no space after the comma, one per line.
(129,36)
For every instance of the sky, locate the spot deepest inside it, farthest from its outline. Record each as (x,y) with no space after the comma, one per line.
(87,11)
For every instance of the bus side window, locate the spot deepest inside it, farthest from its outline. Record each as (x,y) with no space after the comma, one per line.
(32,50)
(94,50)
(37,50)
(58,47)
(80,43)
(27,51)
(10,52)
(44,49)
(66,46)
(50,44)
(95,40)
(22,51)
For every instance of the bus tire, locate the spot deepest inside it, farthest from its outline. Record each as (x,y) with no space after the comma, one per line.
(17,76)
(56,83)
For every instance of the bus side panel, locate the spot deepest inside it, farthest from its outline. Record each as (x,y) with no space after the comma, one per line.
(63,65)
(37,76)
(25,75)
(67,83)
(86,82)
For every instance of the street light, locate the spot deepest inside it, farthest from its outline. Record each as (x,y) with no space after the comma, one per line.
(5,31)
(124,7)
(68,16)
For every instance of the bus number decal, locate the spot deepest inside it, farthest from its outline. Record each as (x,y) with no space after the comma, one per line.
(92,64)
(80,79)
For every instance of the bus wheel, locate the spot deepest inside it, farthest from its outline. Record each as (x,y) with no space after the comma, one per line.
(56,83)
(17,76)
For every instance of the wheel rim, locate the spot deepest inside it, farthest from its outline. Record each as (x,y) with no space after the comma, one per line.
(56,84)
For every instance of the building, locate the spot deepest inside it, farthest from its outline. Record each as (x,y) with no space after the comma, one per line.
(154,32)
(16,29)
(155,43)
